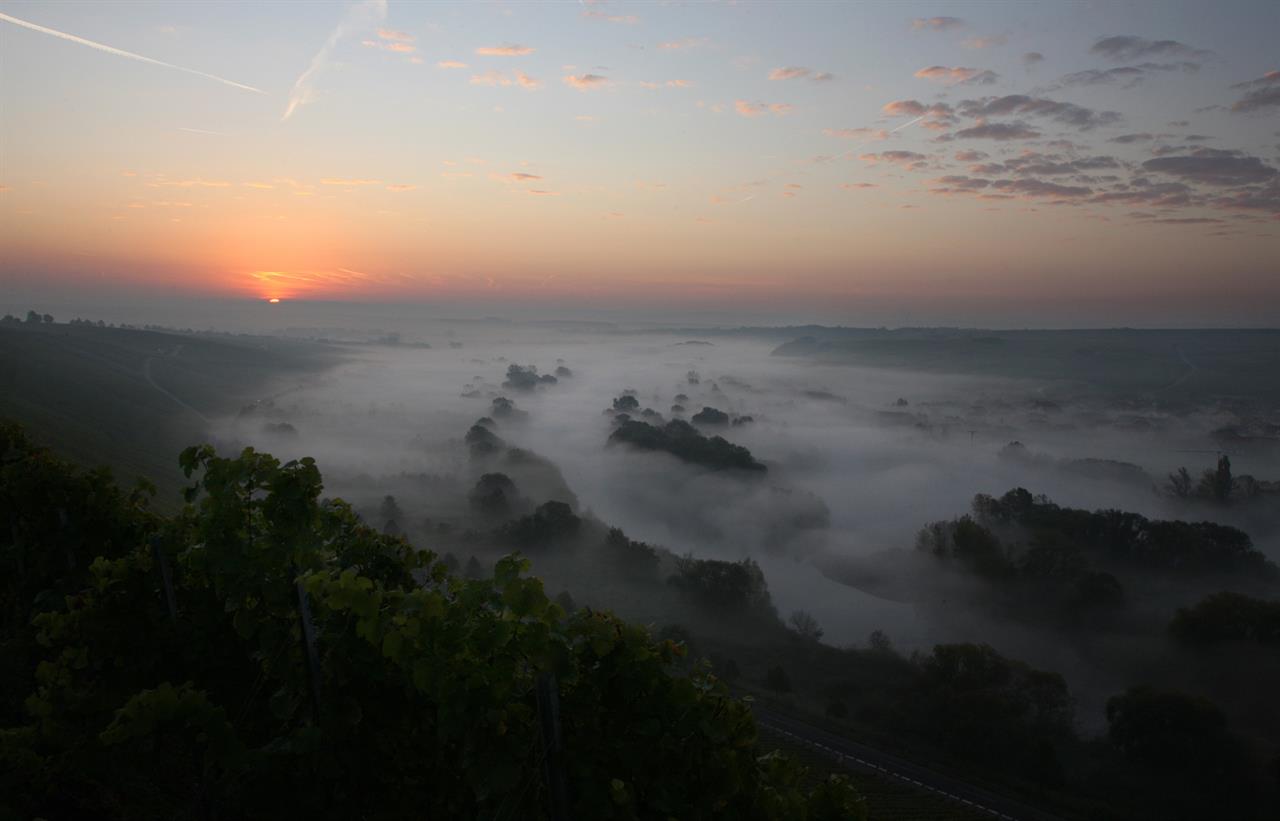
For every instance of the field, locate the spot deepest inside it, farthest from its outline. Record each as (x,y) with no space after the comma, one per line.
(133,399)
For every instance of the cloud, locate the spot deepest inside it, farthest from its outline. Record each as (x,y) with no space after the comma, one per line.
(401,186)
(1212,166)
(541,193)
(937,23)
(857,133)
(1040,188)
(970,156)
(936,116)
(497,78)
(121,53)
(958,75)
(1128,139)
(990,41)
(850,186)
(399,47)
(505,50)
(450,64)
(1128,47)
(1262,93)
(1066,113)
(789,73)
(748,109)
(668,84)
(358,16)
(688,42)
(623,19)
(516,177)
(398,36)
(1036,164)
(1128,76)
(1032,58)
(585,82)
(998,131)
(910,160)
(800,72)
(904,108)
(958,184)
(198,182)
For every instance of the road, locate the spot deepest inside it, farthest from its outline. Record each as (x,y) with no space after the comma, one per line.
(867,759)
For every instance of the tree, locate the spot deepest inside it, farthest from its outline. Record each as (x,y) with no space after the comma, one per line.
(33,318)
(1180,483)
(264,654)
(494,494)
(803,622)
(1217,483)
(879,642)
(47,319)
(391,515)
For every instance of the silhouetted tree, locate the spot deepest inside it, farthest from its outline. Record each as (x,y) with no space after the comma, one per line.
(1217,483)
(1180,483)
(803,622)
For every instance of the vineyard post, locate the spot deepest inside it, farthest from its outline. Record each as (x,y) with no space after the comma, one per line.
(309,646)
(166,576)
(552,747)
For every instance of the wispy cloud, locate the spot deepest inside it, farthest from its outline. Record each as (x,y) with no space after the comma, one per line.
(857,133)
(349,183)
(959,75)
(360,16)
(936,23)
(799,73)
(122,53)
(400,36)
(623,19)
(497,78)
(1130,47)
(990,41)
(450,64)
(401,186)
(396,46)
(586,82)
(505,50)
(750,109)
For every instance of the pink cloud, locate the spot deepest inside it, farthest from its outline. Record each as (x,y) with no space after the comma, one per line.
(585,82)
(505,50)
(749,109)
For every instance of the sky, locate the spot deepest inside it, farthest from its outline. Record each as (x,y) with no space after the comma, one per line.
(1012,164)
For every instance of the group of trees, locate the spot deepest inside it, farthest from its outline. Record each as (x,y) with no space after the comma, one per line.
(265,654)
(683,441)
(725,586)
(1227,616)
(527,378)
(1217,484)
(33,318)
(1174,548)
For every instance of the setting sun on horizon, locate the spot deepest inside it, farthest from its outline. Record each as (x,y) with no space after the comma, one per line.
(823,156)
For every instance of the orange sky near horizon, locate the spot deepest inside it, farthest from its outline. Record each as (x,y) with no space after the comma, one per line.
(380,152)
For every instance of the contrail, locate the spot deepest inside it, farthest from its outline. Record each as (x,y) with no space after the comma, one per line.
(121,53)
(360,15)
(909,122)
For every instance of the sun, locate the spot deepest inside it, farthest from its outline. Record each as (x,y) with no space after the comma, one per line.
(275,300)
